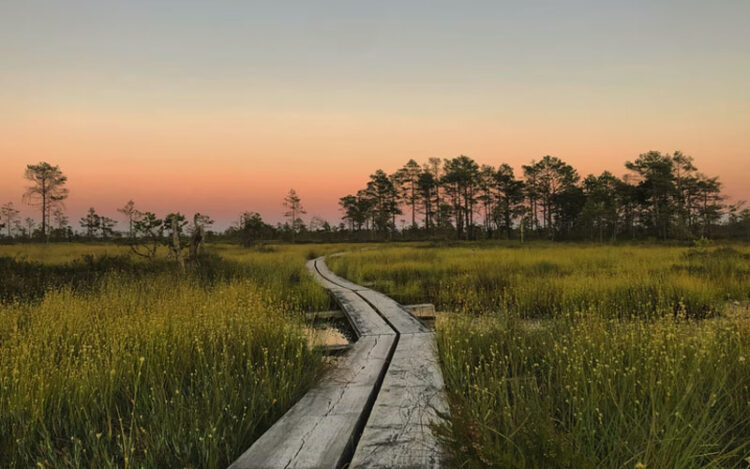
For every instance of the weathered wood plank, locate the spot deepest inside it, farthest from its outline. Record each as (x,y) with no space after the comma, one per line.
(331,277)
(363,318)
(322,281)
(398,432)
(397,316)
(319,430)
(421,311)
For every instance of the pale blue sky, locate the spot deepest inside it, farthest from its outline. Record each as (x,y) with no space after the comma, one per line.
(168,48)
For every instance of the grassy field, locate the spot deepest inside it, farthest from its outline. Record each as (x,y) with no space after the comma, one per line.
(583,356)
(59,253)
(544,281)
(110,361)
(553,355)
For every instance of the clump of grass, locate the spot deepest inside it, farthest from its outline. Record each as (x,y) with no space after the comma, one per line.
(584,391)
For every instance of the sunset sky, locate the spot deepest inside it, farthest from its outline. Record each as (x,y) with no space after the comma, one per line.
(221,107)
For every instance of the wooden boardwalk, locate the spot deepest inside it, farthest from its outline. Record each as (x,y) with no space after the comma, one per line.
(376,408)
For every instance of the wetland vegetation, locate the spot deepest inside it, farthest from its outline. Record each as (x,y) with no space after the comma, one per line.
(111,361)
(583,355)
(553,355)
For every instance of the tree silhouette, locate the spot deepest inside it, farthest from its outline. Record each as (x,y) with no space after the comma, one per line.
(9,216)
(357,210)
(461,177)
(656,189)
(384,201)
(554,180)
(30,225)
(61,228)
(686,182)
(147,235)
(252,229)
(91,222)
(510,197)
(174,226)
(198,234)
(107,227)
(708,204)
(663,195)
(47,190)
(486,195)
(601,210)
(433,166)
(131,214)
(407,179)
(293,205)
(427,186)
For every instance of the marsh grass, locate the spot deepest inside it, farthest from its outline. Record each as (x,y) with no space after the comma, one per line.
(545,281)
(108,361)
(60,253)
(26,280)
(146,367)
(583,356)
(584,391)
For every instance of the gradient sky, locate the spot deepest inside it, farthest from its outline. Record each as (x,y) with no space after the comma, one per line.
(221,107)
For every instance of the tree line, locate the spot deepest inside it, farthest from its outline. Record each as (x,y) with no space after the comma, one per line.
(662,196)
(145,231)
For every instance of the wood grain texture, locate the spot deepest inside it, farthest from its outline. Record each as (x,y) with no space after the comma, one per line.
(363,318)
(322,281)
(318,430)
(331,277)
(401,320)
(398,432)
(377,407)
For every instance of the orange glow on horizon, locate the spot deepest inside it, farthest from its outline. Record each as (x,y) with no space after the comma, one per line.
(225,164)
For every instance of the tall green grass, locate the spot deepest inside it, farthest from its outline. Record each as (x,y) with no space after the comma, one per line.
(589,392)
(583,356)
(110,361)
(154,368)
(544,281)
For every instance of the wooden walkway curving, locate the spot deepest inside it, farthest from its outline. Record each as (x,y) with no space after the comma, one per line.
(376,408)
